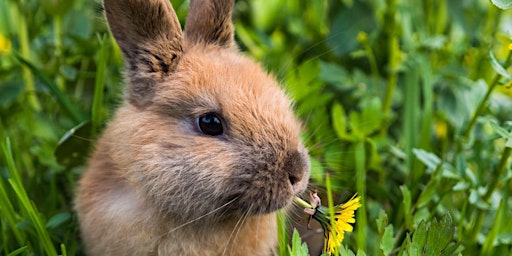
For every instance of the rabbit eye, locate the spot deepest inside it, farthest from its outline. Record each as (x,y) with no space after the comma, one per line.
(210,124)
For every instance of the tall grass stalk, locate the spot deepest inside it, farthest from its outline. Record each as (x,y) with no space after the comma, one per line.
(360,169)
(57,26)
(282,234)
(23,38)
(330,204)
(28,208)
(99,85)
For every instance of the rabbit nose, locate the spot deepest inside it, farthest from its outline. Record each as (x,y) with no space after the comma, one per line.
(294,166)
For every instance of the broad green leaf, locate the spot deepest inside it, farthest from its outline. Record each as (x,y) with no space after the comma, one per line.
(335,74)
(298,248)
(387,243)
(371,116)
(503,4)
(439,235)
(432,161)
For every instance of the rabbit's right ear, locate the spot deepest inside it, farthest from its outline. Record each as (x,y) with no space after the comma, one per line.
(209,21)
(150,37)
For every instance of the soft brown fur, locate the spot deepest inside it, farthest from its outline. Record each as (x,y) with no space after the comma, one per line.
(155,185)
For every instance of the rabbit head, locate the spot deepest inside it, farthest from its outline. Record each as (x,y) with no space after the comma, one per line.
(203,130)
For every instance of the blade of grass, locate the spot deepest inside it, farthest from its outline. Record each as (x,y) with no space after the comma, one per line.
(330,204)
(7,210)
(362,222)
(99,85)
(282,235)
(18,251)
(488,246)
(28,208)
(25,54)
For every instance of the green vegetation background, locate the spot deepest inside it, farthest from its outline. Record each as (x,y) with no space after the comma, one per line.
(407,103)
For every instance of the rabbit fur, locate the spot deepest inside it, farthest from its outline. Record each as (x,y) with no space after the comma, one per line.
(155,184)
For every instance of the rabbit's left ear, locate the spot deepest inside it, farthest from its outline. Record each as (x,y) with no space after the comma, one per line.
(209,22)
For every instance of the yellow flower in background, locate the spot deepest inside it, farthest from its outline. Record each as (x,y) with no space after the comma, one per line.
(5,44)
(343,219)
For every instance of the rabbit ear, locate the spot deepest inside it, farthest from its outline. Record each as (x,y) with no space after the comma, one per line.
(150,37)
(209,21)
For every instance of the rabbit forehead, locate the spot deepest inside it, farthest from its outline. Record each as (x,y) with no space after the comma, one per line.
(219,80)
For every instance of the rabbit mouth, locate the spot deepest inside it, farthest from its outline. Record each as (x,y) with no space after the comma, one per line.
(266,196)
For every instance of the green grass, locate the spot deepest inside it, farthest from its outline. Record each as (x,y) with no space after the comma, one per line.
(406,103)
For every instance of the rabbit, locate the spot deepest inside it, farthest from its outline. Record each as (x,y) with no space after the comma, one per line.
(204,148)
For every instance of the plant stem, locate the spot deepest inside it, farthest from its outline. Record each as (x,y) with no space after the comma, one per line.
(483,103)
(393,62)
(302,202)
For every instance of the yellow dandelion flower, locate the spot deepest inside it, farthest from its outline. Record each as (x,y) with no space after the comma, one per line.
(343,218)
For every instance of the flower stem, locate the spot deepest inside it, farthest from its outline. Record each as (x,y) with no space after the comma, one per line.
(302,202)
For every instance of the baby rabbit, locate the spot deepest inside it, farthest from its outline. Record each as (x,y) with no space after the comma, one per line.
(202,152)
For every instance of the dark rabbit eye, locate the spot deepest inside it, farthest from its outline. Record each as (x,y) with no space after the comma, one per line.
(210,124)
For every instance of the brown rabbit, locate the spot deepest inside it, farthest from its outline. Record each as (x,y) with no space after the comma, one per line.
(203,151)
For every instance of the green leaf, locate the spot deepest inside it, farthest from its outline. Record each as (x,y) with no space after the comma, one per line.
(343,250)
(503,4)
(58,220)
(298,248)
(428,192)
(503,133)
(382,222)
(432,161)
(371,116)
(419,238)
(439,235)
(339,121)
(387,242)
(406,194)
(498,67)
(335,74)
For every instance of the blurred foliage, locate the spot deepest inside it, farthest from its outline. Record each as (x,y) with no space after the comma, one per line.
(406,103)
